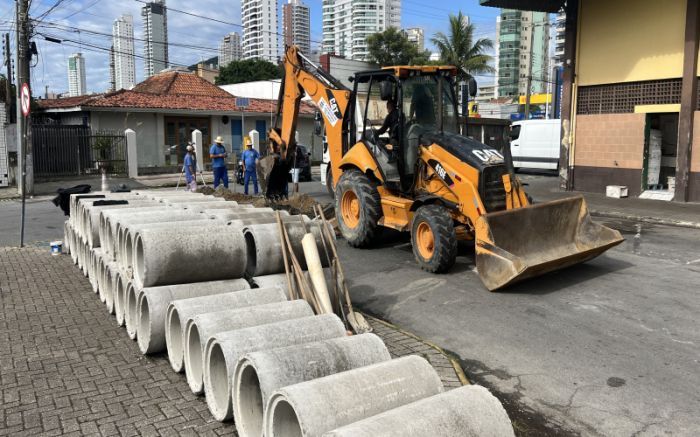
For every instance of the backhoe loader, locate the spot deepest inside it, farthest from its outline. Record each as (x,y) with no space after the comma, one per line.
(426,177)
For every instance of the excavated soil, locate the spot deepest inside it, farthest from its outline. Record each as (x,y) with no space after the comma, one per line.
(295,204)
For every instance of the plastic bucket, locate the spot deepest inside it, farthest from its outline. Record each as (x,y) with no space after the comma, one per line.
(56,247)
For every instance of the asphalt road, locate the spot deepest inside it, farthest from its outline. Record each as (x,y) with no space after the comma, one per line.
(610,347)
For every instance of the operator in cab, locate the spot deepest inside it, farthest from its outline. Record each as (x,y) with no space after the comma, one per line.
(391,124)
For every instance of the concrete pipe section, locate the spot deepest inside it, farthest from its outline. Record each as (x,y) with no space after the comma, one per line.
(200,328)
(225,349)
(314,407)
(109,218)
(93,267)
(197,207)
(469,411)
(112,275)
(278,280)
(264,246)
(171,256)
(125,253)
(181,310)
(91,215)
(131,309)
(259,374)
(187,199)
(147,309)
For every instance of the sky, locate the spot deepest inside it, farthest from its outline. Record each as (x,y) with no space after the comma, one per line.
(201,36)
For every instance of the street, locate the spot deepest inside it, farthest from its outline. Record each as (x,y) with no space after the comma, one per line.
(610,347)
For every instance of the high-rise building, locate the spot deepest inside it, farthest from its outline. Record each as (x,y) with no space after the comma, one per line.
(124,59)
(230,49)
(297,25)
(348,23)
(260,35)
(559,40)
(416,36)
(76,75)
(522,50)
(155,29)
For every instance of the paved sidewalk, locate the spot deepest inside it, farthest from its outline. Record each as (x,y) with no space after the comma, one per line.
(67,368)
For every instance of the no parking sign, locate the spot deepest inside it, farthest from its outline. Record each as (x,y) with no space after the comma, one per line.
(25,99)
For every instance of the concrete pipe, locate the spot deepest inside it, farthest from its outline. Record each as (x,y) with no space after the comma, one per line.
(148,308)
(93,268)
(120,298)
(259,374)
(238,211)
(225,349)
(469,411)
(109,198)
(200,328)
(73,205)
(102,278)
(314,407)
(184,309)
(196,207)
(119,226)
(228,205)
(107,230)
(91,216)
(171,256)
(187,199)
(278,280)
(66,239)
(264,246)
(130,309)
(125,253)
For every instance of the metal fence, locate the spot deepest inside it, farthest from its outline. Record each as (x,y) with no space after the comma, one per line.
(60,151)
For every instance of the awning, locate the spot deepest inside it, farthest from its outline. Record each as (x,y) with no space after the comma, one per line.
(551,6)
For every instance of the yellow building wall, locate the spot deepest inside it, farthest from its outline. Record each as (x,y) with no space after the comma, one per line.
(630,40)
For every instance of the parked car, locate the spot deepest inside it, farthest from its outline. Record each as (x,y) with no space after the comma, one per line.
(535,143)
(303,162)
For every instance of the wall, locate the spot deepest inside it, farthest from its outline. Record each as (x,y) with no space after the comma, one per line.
(150,133)
(694,175)
(630,40)
(609,150)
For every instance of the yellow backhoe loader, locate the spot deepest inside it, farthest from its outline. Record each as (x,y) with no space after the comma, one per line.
(425,176)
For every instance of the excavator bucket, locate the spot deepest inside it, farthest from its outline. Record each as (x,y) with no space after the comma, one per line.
(522,243)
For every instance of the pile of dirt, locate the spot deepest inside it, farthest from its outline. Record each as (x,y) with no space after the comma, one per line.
(295,204)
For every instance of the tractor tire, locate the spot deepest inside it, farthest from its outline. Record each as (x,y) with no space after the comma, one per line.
(329,182)
(357,207)
(434,239)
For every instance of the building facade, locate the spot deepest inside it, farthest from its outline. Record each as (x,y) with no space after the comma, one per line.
(155,28)
(559,38)
(296,23)
(523,50)
(123,50)
(112,73)
(415,35)
(76,75)
(348,23)
(230,49)
(260,34)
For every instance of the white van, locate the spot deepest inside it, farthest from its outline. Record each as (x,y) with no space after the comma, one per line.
(535,143)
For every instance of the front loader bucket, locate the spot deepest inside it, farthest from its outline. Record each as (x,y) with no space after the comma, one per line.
(522,243)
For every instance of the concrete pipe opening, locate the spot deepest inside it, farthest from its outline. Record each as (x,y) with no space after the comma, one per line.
(218,376)
(137,262)
(285,422)
(143,324)
(193,359)
(251,252)
(112,276)
(173,330)
(130,313)
(119,299)
(250,418)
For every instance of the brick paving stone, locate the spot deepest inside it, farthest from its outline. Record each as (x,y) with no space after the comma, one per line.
(66,368)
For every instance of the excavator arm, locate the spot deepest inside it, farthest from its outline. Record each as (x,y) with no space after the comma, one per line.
(331,98)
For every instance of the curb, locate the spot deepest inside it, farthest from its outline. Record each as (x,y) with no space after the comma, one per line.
(453,360)
(643,219)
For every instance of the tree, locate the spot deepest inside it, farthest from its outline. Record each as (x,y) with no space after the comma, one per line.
(392,47)
(247,71)
(459,48)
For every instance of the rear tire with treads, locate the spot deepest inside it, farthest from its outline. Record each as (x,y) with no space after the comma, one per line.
(357,207)
(434,239)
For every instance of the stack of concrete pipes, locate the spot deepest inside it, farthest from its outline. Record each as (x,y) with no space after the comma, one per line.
(171,266)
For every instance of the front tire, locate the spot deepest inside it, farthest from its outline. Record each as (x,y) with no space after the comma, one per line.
(434,239)
(357,207)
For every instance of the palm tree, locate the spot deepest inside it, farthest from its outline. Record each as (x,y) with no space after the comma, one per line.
(459,48)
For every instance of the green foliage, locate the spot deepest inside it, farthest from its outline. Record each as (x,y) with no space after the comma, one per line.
(101,146)
(392,47)
(459,48)
(247,71)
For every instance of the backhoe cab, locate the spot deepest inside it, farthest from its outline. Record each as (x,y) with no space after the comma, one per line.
(399,160)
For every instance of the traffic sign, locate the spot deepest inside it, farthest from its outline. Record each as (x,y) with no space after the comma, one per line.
(25,99)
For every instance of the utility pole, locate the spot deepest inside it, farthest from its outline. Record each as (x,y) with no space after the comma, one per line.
(8,79)
(23,123)
(529,71)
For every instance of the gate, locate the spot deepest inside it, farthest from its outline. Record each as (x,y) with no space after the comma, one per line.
(60,151)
